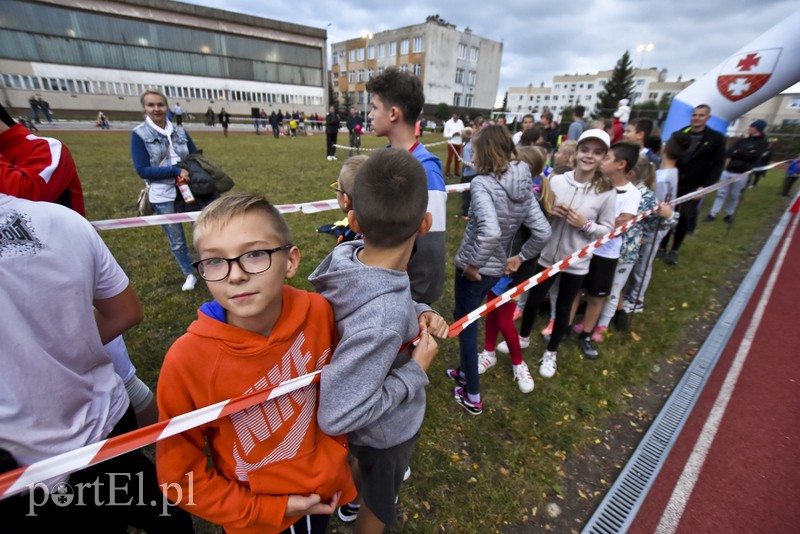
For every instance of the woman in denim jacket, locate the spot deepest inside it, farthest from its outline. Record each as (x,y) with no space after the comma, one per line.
(156,146)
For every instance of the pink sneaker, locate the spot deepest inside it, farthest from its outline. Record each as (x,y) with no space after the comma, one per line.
(599,334)
(548,330)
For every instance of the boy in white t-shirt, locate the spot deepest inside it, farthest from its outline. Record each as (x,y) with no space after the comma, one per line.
(621,159)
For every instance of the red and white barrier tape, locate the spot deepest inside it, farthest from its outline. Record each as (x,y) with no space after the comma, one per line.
(18,480)
(347,147)
(158,220)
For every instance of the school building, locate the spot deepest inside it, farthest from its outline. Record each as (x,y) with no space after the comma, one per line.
(456,67)
(102,54)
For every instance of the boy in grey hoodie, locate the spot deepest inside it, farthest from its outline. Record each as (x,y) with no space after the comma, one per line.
(374,388)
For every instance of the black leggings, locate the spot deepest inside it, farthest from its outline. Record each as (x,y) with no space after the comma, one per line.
(687,211)
(568,288)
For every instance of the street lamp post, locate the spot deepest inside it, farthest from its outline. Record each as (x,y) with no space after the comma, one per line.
(642,49)
(366,36)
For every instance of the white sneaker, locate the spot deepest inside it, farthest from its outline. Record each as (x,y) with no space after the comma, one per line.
(330,158)
(523,377)
(334,158)
(486,359)
(524,343)
(547,365)
(190,282)
(407,474)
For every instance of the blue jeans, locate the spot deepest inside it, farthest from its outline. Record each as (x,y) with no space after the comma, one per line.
(176,237)
(735,190)
(469,295)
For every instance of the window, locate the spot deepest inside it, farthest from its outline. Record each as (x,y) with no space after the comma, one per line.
(637,95)
(602,83)
(589,85)
(555,97)
(380,71)
(353,54)
(360,75)
(468,101)
(371,52)
(342,74)
(462,51)
(404,47)
(370,74)
(417,69)
(352,77)
(653,96)
(472,77)
(557,86)
(393,48)
(360,53)
(382,50)
(403,68)
(581,86)
(639,82)
(457,99)
(335,59)
(473,54)
(459,75)
(417,44)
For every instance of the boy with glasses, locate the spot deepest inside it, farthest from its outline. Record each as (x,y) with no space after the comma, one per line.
(272,468)
(344,193)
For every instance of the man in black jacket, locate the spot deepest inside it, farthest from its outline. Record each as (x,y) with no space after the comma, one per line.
(743,157)
(332,123)
(700,167)
(355,126)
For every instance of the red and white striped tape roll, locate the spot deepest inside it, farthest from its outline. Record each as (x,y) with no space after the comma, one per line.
(18,480)
(170,218)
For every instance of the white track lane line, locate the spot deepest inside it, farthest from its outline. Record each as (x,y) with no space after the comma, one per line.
(683,489)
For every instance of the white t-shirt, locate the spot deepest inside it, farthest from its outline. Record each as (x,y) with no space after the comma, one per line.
(516,137)
(628,199)
(452,131)
(666,184)
(58,388)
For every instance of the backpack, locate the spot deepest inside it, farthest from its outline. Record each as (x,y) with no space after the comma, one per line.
(222,183)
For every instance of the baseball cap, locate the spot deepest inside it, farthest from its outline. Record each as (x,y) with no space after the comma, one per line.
(596,133)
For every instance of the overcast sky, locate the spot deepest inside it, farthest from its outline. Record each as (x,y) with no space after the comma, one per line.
(546,38)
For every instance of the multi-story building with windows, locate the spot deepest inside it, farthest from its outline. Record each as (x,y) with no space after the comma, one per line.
(102,54)
(456,67)
(570,90)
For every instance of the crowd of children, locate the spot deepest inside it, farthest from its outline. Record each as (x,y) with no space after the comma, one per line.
(345,443)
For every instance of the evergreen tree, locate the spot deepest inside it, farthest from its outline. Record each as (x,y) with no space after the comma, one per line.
(345,106)
(504,106)
(333,100)
(618,87)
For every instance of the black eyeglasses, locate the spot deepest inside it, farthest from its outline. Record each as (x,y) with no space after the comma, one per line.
(335,187)
(253,262)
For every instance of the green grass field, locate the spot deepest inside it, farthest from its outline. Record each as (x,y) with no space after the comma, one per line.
(470,474)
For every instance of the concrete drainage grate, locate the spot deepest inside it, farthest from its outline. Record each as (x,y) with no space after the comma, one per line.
(619,507)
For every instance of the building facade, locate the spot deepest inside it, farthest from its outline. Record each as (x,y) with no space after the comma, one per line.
(102,54)
(456,67)
(570,90)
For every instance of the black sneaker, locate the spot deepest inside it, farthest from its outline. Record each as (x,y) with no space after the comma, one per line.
(672,257)
(588,348)
(473,408)
(710,218)
(456,376)
(621,320)
(728,219)
(348,512)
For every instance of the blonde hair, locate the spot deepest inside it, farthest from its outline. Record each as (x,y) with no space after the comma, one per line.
(535,158)
(493,149)
(645,172)
(347,176)
(216,215)
(569,148)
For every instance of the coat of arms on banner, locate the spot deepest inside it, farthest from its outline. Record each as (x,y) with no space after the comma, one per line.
(747,72)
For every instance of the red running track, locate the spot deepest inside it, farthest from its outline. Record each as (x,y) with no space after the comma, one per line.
(749,480)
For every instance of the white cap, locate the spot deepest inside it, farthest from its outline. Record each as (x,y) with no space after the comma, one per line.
(596,133)
(624,102)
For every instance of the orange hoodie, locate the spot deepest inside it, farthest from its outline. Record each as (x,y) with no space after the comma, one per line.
(262,454)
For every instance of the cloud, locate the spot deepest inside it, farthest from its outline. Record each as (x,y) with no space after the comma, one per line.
(541,40)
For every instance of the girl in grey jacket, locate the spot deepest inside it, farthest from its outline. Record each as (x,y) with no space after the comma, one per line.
(502,201)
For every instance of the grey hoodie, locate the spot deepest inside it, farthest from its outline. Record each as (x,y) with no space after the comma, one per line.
(369,391)
(499,206)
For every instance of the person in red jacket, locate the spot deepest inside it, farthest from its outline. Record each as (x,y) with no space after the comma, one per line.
(37,168)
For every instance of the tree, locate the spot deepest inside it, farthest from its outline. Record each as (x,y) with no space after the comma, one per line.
(345,106)
(333,100)
(442,112)
(618,87)
(504,105)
